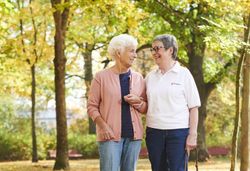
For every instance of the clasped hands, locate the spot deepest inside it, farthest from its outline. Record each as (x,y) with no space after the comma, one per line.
(133,100)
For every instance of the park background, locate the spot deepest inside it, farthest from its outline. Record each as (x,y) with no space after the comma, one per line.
(50,51)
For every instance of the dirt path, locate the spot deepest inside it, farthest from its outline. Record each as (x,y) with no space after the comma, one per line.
(93,165)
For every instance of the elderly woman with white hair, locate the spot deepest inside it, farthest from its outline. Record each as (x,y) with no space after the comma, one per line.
(116,100)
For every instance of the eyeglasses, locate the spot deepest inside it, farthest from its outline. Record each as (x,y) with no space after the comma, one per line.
(156,49)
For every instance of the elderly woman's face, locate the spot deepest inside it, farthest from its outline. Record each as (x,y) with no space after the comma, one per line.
(159,53)
(128,56)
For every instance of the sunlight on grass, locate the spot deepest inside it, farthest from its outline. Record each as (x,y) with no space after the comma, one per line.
(93,165)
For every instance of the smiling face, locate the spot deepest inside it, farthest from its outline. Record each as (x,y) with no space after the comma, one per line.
(127,56)
(160,54)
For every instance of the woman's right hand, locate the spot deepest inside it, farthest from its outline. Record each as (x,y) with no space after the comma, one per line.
(106,132)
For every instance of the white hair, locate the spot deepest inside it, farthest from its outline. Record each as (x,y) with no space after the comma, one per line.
(120,42)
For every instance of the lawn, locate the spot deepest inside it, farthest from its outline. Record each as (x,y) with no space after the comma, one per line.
(214,164)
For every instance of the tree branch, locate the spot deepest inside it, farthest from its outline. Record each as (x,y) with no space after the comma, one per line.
(219,76)
(142,47)
(65,15)
(67,76)
(170,9)
(99,47)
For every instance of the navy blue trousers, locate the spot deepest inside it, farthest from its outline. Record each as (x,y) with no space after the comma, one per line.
(166,149)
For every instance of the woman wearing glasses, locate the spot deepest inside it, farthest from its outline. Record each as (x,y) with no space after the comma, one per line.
(118,123)
(172,115)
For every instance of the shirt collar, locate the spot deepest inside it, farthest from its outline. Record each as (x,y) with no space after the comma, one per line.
(126,74)
(175,68)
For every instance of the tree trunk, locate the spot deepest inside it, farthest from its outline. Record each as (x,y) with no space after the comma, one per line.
(88,76)
(143,65)
(245,118)
(245,110)
(33,81)
(202,147)
(195,66)
(33,126)
(237,98)
(60,18)
(61,120)
(237,116)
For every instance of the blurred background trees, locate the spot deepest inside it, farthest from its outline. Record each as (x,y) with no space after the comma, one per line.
(210,36)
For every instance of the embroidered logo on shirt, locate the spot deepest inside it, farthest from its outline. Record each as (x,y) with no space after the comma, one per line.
(175,83)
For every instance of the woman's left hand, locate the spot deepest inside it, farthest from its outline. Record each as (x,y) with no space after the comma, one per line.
(191,142)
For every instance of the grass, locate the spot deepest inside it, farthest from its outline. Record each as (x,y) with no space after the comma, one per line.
(214,164)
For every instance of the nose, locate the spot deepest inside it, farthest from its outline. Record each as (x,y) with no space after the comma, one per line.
(153,52)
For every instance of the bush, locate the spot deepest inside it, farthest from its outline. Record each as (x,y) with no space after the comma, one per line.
(15,141)
(84,144)
(45,142)
(14,147)
(220,117)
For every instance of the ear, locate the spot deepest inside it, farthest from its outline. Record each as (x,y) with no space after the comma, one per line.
(118,54)
(171,49)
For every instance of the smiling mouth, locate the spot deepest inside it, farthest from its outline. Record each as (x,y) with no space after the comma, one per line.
(157,56)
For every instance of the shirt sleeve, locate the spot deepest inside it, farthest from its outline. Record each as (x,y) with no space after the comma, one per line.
(191,91)
(94,98)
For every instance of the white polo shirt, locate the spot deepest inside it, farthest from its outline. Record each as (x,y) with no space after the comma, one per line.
(170,96)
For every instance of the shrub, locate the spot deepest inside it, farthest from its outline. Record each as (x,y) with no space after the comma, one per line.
(84,144)
(14,146)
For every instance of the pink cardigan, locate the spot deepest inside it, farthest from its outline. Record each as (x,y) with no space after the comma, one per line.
(105,100)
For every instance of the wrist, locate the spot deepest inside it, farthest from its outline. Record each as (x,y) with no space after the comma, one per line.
(139,105)
(100,122)
(193,133)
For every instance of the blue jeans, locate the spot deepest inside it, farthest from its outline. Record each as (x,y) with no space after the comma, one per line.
(119,156)
(166,149)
